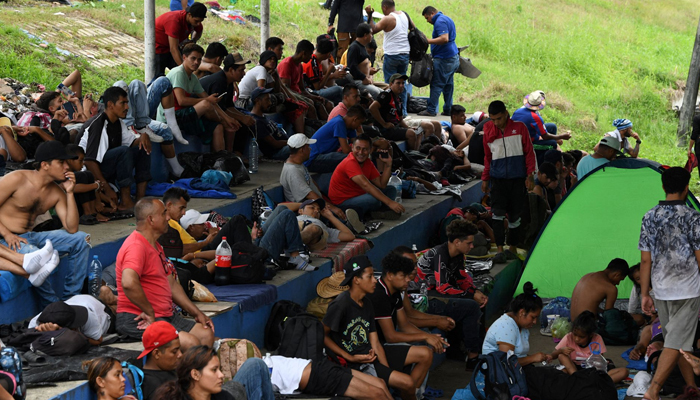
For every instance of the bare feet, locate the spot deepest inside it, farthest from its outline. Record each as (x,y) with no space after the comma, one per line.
(101,218)
(693,361)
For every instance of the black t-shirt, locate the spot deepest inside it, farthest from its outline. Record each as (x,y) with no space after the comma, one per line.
(152,379)
(222,395)
(350,323)
(476,144)
(356,54)
(266,128)
(216,83)
(390,104)
(385,305)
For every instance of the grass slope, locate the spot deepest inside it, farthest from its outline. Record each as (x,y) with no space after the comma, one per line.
(597,60)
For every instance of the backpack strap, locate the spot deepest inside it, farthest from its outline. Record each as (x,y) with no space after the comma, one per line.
(652,358)
(411,25)
(472,385)
(137,374)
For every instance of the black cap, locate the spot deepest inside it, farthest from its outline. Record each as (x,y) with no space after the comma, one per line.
(64,315)
(321,203)
(354,267)
(266,55)
(258,91)
(197,10)
(52,150)
(552,156)
(549,170)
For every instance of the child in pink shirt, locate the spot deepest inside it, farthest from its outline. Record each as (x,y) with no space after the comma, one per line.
(574,348)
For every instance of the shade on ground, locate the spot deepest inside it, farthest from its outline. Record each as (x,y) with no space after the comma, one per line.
(598,221)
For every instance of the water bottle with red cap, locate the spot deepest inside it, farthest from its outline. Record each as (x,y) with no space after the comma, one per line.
(222,275)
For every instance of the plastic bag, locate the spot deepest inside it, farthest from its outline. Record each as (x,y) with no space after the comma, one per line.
(560,328)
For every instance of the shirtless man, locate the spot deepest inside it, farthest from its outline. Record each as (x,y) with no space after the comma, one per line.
(595,287)
(24,195)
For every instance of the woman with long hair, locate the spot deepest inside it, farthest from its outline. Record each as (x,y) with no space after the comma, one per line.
(199,377)
(105,377)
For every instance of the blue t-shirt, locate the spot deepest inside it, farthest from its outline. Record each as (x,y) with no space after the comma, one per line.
(588,164)
(443,24)
(505,330)
(327,138)
(176,5)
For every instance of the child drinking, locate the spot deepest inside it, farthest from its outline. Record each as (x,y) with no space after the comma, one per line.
(574,347)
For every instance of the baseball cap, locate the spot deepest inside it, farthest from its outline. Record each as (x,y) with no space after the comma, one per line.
(321,203)
(478,116)
(354,267)
(234,59)
(299,140)
(266,55)
(397,76)
(609,141)
(193,217)
(157,334)
(64,315)
(258,91)
(52,150)
(197,10)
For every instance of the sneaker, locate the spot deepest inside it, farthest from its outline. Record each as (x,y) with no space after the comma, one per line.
(500,258)
(301,265)
(546,331)
(151,135)
(426,113)
(445,113)
(354,220)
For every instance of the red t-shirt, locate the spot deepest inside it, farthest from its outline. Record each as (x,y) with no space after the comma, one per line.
(342,186)
(153,269)
(287,69)
(173,24)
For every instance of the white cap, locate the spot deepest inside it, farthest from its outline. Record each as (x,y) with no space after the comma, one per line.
(193,217)
(298,140)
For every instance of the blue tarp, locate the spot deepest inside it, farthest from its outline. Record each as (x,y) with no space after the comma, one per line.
(195,188)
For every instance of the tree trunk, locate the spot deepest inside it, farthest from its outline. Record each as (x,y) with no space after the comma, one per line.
(264,23)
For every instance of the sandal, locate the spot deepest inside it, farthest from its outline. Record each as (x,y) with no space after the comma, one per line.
(123,214)
(88,219)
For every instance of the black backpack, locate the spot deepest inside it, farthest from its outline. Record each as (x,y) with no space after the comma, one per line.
(63,342)
(422,71)
(417,40)
(247,263)
(617,328)
(281,310)
(302,337)
(552,384)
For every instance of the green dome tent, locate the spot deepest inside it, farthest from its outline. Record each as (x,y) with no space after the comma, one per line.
(600,219)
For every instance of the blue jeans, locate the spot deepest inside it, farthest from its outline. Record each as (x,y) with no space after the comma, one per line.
(77,248)
(397,64)
(255,376)
(140,113)
(281,232)
(327,162)
(158,89)
(333,93)
(366,202)
(466,314)
(443,83)
(118,166)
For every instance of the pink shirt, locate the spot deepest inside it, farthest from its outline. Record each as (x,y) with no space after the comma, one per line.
(579,354)
(340,109)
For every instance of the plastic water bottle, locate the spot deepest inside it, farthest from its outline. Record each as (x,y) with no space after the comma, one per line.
(596,360)
(424,289)
(253,157)
(95,277)
(268,362)
(395,181)
(222,275)
(414,248)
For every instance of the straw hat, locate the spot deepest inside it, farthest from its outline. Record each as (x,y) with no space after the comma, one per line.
(330,287)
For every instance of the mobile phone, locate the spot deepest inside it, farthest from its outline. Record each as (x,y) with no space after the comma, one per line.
(65,89)
(223,94)
(383,154)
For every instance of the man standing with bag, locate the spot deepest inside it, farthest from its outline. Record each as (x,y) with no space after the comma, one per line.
(395,25)
(445,60)
(349,17)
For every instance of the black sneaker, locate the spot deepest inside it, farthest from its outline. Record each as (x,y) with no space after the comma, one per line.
(426,113)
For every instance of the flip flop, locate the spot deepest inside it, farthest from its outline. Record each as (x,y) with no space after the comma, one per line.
(123,214)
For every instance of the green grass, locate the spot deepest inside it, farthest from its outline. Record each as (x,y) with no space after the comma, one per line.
(597,60)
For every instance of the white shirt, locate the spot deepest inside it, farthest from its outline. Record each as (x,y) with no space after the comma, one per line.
(286,373)
(250,81)
(396,40)
(98,320)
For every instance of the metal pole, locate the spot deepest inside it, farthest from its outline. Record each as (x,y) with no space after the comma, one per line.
(264,23)
(690,94)
(149,39)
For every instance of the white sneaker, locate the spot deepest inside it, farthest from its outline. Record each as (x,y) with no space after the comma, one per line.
(151,135)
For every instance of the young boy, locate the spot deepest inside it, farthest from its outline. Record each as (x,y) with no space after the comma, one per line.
(87,189)
(351,333)
(595,287)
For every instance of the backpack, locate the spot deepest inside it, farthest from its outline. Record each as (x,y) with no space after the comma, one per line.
(422,71)
(617,328)
(302,337)
(11,364)
(133,380)
(63,342)
(552,384)
(417,40)
(233,353)
(273,328)
(247,263)
(503,376)
(674,384)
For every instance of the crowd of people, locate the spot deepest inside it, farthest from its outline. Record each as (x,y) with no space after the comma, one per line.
(319,110)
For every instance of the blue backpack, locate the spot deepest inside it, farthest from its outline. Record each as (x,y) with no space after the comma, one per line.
(502,375)
(133,379)
(11,363)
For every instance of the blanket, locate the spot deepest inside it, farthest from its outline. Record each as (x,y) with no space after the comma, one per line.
(195,188)
(248,297)
(341,252)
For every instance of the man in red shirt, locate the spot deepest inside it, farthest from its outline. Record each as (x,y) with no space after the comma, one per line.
(357,184)
(172,29)
(291,72)
(147,283)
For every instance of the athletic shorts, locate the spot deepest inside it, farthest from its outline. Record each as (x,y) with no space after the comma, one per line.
(679,321)
(192,124)
(396,358)
(328,379)
(126,325)
(396,133)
